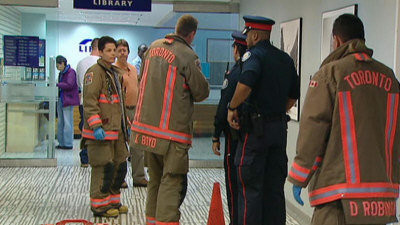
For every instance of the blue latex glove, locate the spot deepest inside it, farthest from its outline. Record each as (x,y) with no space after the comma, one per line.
(129,132)
(99,133)
(296,194)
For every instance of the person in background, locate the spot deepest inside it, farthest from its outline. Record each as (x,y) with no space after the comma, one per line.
(221,125)
(137,61)
(105,131)
(83,65)
(268,87)
(131,89)
(163,125)
(348,147)
(68,98)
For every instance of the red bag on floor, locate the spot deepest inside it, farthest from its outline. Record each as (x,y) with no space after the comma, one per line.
(84,222)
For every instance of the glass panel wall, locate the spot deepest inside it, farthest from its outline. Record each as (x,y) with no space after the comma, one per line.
(29,93)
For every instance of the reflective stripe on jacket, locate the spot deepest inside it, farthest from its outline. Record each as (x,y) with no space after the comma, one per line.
(349,139)
(171,80)
(101,102)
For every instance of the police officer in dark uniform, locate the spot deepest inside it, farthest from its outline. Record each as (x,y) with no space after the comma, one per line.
(221,125)
(268,88)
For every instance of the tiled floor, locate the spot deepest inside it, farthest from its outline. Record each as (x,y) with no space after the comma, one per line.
(32,196)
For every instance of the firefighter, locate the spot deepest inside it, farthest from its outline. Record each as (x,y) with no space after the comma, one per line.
(352,165)
(171,80)
(104,132)
(221,125)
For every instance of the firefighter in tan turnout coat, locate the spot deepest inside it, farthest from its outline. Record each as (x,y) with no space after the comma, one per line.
(105,132)
(349,141)
(171,81)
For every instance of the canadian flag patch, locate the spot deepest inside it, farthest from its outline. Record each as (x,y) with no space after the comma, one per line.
(313,83)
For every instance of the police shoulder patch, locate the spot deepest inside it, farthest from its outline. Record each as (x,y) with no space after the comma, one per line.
(88,78)
(246,56)
(225,84)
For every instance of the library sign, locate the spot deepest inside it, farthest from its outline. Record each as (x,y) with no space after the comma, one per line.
(118,5)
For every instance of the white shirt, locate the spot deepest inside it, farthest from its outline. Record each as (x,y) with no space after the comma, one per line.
(81,69)
(137,62)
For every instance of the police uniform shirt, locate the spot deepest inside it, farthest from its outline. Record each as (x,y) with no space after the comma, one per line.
(271,75)
(227,91)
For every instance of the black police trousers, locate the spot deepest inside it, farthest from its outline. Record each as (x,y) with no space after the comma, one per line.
(231,177)
(262,171)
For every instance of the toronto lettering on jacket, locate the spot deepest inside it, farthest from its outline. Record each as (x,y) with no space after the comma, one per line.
(365,77)
(113,3)
(164,53)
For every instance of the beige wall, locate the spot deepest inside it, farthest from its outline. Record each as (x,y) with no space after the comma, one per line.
(379,17)
(10,24)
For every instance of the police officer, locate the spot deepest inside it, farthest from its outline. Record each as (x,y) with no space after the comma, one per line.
(351,166)
(105,132)
(268,87)
(221,125)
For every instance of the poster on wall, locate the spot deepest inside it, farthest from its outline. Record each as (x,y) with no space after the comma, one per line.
(21,51)
(291,44)
(42,53)
(328,18)
(42,59)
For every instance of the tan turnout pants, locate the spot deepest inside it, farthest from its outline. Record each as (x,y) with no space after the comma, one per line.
(167,186)
(108,162)
(137,156)
(329,214)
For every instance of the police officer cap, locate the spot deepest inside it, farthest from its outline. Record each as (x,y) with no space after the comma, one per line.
(239,38)
(257,23)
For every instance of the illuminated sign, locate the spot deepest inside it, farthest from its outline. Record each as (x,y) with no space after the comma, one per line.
(85,45)
(119,5)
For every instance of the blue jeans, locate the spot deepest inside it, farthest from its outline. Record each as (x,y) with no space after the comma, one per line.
(83,154)
(65,125)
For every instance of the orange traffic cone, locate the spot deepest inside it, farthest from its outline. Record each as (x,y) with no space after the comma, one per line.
(216,214)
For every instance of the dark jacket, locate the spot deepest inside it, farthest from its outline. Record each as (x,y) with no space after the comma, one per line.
(227,91)
(68,88)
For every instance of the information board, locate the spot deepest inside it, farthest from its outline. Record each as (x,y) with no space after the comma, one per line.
(21,51)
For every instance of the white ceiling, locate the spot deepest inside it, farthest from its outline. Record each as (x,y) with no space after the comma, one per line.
(161,15)
(66,13)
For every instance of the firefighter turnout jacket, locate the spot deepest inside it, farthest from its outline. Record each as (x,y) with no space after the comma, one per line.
(171,80)
(102,104)
(348,146)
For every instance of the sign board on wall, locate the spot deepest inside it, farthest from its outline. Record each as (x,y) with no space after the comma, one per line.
(21,51)
(118,5)
(85,45)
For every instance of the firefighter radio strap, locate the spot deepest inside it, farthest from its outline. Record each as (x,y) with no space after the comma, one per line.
(121,103)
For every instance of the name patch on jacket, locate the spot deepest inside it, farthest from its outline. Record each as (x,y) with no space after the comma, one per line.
(369,211)
(367,77)
(163,53)
(146,140)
